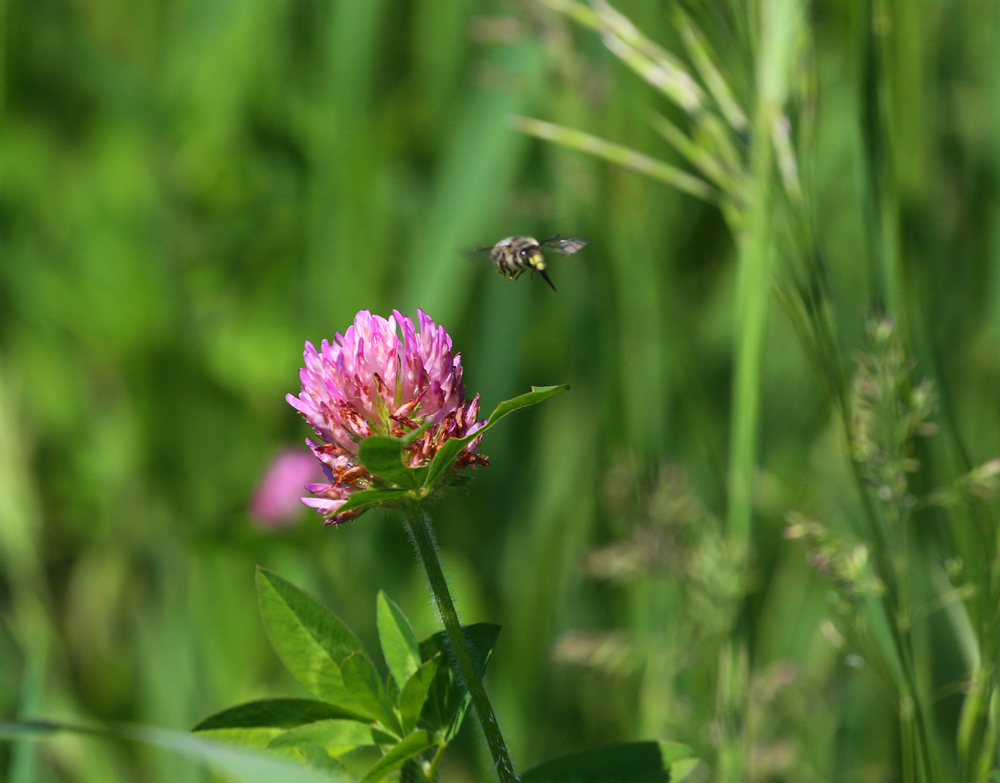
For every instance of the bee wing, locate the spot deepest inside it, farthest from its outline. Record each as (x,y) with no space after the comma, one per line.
(481,251)
(563,247)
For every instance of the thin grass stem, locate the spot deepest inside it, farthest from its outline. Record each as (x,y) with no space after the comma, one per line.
(617,154)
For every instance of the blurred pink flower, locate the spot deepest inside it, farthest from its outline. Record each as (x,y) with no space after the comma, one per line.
(276,500)
(369,382)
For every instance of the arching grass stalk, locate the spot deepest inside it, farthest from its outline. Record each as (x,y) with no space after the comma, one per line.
(418,525)
(738,170)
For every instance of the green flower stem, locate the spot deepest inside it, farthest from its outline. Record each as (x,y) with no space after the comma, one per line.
(422,534)
(432,769)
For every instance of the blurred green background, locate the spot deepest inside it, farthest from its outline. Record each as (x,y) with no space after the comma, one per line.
(192,188)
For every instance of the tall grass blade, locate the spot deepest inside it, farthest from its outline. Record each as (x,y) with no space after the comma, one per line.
(704,61)
(697,155)
(617,154)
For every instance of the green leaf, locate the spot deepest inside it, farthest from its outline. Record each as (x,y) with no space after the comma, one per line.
(399,644)
(310,640)
(328,734)
(414,694)
(413,745)
(447,699)
(319,759)
(392,690)
(367,497)
(363,683)
(680,770)
(446,456)
(412,436)
(480,636)
(535,396)
(255,723)
(632,762)
(249,766)
(449,452)
(277,713)
(15,731)
(383,457)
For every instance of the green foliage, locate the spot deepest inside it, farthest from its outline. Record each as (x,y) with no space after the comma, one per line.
(249,766)
(255,723)
(447,454)
(385,457)
(413,698)
(419,707)
(340,735)
(369,497)
(366,690)
(311,641)
(382,456)
(412,745)
(636,762)
(448,700)
(399,644)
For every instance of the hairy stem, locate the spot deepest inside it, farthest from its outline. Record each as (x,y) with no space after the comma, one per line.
(422,536)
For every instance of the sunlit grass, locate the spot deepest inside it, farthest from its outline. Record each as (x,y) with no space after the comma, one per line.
(189,193)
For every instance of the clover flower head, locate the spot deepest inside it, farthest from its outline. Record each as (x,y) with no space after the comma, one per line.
(369,381)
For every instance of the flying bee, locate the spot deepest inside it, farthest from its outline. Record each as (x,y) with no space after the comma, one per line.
(514,256)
